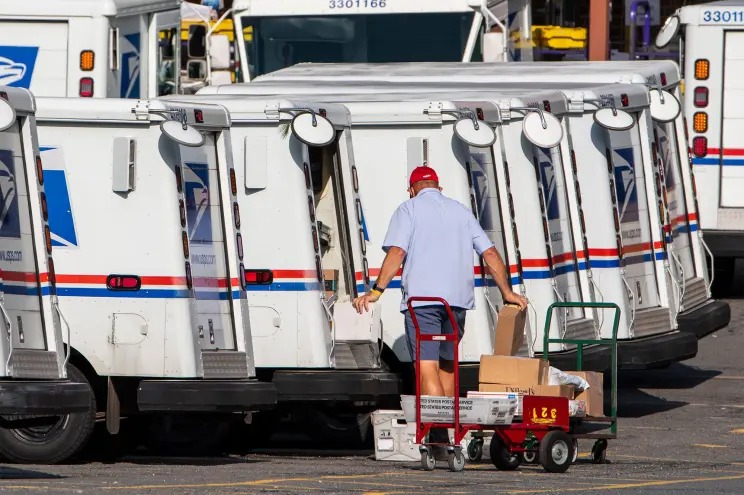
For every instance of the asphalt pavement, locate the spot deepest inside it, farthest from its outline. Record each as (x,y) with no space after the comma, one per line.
(681,430)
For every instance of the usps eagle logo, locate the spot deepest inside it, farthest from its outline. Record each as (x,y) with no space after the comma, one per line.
(17,65)
(10,71)
(196,179)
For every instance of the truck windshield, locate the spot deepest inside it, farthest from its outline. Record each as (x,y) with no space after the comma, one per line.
(273,43)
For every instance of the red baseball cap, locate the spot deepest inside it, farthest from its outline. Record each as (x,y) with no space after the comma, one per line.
(423,173)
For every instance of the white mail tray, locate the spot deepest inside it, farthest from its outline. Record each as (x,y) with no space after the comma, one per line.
(480,411)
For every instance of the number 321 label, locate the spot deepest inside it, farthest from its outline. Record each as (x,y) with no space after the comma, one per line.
(723,16)
(357,4)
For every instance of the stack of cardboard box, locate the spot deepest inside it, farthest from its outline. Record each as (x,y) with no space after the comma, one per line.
(504,372)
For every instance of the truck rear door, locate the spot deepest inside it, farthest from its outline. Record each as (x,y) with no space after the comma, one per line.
(211,285)
(33,55)
(25,302)
(732,151)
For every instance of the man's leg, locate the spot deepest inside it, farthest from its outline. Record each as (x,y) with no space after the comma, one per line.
(447,352)
(429,322)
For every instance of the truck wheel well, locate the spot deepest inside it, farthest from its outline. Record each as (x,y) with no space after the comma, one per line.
(98,383)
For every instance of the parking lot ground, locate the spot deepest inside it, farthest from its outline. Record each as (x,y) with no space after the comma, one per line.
(681,430)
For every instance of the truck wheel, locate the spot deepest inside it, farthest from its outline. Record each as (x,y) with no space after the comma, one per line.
(60,439)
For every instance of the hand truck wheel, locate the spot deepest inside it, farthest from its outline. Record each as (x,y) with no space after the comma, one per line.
(599,451)
(556,451)
(456,460)
(475,449)
(529,457)
(428,462)
(501,457)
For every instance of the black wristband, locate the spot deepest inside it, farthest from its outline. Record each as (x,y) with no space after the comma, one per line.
(378,288)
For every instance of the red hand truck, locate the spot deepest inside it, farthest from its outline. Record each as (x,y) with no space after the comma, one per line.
(455,456)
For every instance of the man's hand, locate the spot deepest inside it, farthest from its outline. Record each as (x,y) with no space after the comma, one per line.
(364,301)
(514,298)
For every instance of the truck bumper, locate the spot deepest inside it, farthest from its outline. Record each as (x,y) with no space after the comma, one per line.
(205,395)
(335,385)
(656,351)
(29,397)
(706,319)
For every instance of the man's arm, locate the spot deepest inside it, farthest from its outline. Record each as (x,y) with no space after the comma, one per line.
(390,265)
(497,269)
(393,259)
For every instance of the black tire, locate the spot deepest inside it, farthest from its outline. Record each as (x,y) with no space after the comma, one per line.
(556,451)
(475,450)
(599,451)
(55,443)
(529,457)
(501,457)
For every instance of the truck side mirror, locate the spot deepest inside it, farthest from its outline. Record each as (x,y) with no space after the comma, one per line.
(219,51)
(197,45)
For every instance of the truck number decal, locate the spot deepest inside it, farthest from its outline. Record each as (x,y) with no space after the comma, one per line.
(350,4)
(11,256)
(723,16)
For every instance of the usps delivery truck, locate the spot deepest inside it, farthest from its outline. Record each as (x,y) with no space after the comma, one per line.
(146,225)
(711,57)
(306,262)
(699,315)
(271,35)
(605,264)
(91,48)
(421,132)
(35,394)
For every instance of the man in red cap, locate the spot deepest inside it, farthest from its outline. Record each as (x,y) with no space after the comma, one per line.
(435,236)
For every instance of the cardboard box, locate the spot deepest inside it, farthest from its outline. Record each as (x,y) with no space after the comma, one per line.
(594,395)
(566,391)
(509,330)
(511,370)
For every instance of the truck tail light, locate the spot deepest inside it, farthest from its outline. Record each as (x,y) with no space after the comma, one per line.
(702,69)
(236,214)
(258,277)
(479,114)
(546,105)
(44,208)
(189,280)
(86,87)
(663,79)
(700,122)
(123,282)
(233,183)
(87,60)
(239,241)
(700,146)
(52,273)
(700,97)
(48,239)
(182,213)
(185,244)
(624,100)
(198,116)
(39,171)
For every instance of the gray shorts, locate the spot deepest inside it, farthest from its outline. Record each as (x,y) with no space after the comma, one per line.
(433,320)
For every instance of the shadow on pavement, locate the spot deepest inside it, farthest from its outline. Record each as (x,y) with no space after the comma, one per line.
(676,376)
(637,404)
(13,473)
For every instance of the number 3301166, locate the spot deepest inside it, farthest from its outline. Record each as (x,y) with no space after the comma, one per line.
(350,4)
(723,16)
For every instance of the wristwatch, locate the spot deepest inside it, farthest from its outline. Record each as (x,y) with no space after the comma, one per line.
(377,288)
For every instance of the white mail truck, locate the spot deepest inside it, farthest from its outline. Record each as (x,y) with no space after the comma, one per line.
(145,223)
(91,48)
(711,53)
(35,392)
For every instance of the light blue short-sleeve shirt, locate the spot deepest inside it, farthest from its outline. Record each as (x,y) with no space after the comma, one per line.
(438,235)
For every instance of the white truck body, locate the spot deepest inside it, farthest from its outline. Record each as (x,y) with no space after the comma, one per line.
(41,46)
(280,34)
(415,132)
(149,249)
(303,202)
(712,61)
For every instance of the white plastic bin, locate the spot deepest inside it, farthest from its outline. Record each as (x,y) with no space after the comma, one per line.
(395,438)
